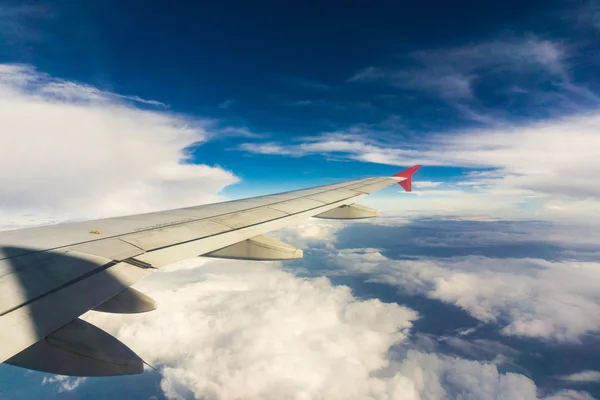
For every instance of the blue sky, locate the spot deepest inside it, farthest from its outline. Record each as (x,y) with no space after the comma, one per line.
(396,73)
(482,282)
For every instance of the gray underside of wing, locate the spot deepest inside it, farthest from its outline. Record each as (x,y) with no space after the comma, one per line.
(51,275)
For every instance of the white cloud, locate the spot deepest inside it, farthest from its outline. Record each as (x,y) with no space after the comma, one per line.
(450,72)
(525,297)
(73,151)
(311,234)
(77,92)
(426,184)
(582,377)
(545,169)
(437,377)
(63,383)
(248,330)
(570,395)
(266,148)
(454,202)
(537,165)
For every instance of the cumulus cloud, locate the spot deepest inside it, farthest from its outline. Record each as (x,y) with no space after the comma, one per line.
(526,297)
(250,330)
(439,377)
(71,150)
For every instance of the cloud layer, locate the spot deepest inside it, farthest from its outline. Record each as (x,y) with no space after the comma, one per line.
(531,279)
(248,330)
(535,298)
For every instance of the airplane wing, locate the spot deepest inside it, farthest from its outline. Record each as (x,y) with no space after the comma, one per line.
(51,275)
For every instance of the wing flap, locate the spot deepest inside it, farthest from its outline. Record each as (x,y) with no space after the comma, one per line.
(43,315)
(260,248)
(29,276)
(80,349)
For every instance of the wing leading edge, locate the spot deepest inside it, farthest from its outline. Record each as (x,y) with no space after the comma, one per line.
(51,275)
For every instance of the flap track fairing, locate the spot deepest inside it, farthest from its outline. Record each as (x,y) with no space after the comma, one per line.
(352,211)
(129,301)
(260,248)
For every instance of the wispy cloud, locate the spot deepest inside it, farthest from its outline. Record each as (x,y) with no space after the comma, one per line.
(481,80)
(569,394)
(587,15)
(73,92)
(16,27)
(555,158)
(582,377)
(269,148)
(450,72)
(427,184)
(226,105)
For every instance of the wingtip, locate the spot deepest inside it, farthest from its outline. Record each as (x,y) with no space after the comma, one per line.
(407,174)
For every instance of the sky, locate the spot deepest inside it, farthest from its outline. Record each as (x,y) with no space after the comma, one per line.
(480,284)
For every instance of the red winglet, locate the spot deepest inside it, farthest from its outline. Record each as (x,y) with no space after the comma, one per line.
(407,173)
